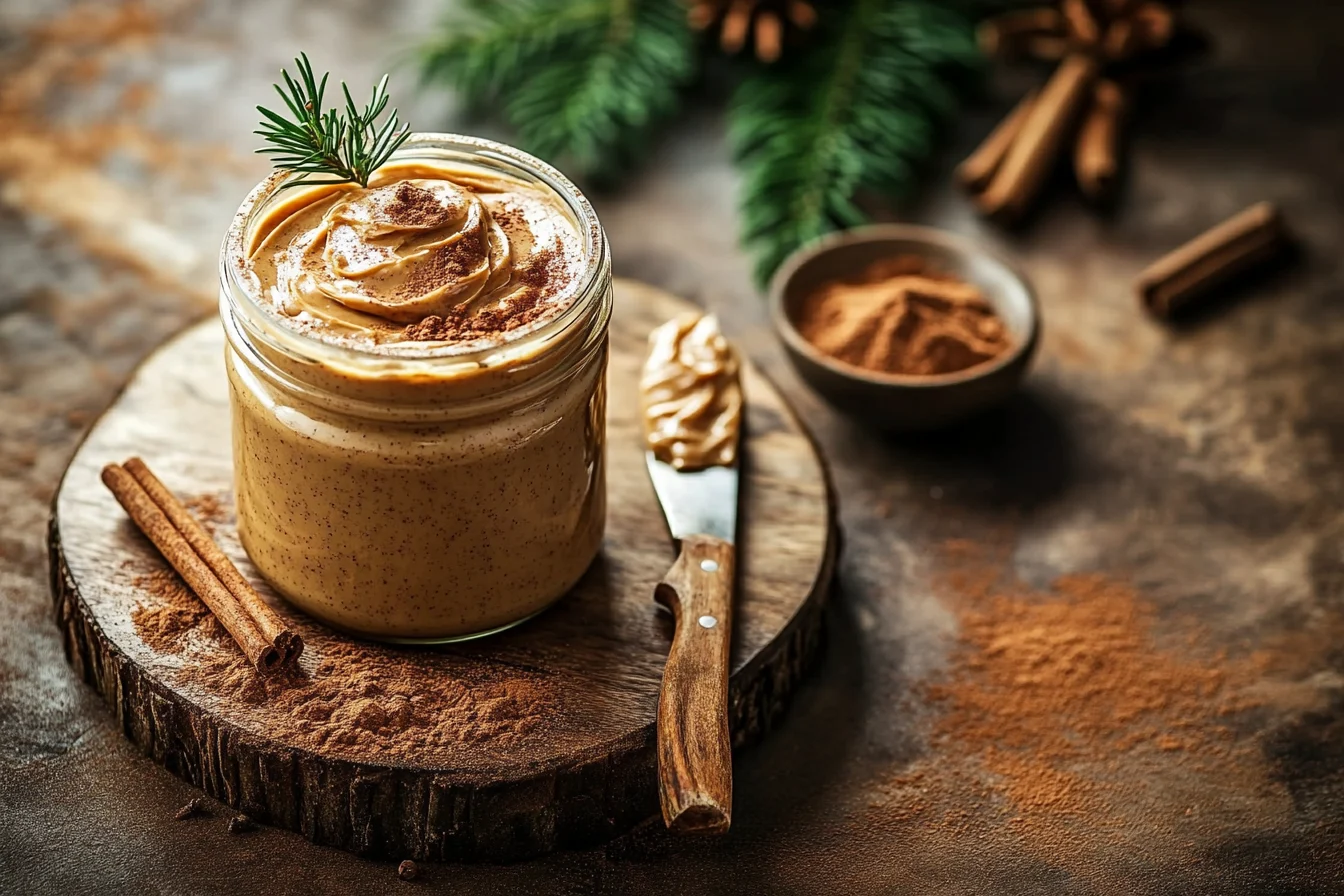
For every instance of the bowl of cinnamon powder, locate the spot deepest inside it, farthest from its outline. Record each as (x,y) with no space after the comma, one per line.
(905,327)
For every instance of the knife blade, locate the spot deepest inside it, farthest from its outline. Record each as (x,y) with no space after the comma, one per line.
(695,776)
(696,502)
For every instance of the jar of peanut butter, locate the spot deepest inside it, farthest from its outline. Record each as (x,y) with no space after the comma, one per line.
(416,373)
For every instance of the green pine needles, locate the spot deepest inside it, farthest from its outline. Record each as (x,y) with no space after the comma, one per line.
(855,114)
(855,109)
(580,81)
(346,146)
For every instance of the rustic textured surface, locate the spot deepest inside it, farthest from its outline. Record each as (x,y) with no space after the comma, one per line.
(507,747)
(1201,464)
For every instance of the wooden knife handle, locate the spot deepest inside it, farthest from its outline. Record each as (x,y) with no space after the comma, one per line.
(695,755)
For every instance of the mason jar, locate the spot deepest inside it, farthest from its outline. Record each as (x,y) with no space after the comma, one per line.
(421,492)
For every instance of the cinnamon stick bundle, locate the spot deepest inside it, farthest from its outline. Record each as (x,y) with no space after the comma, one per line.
(1210,260)
(1044,131)
(1072,112)
(260,632)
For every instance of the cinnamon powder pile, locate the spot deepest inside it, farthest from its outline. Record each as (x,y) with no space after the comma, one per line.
(901,316)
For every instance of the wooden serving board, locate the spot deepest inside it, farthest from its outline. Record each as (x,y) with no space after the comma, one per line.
(538,738)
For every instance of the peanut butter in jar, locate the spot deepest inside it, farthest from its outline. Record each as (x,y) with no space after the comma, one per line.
(416,375)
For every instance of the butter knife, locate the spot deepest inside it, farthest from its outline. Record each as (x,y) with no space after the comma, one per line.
(695,776)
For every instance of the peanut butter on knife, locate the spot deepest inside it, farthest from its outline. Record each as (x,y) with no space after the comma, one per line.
(691,394)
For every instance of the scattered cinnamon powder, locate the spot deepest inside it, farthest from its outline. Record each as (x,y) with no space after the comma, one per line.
(348,695)
(54,164)
(174,610)
(170,609)
(403,703)
(1062,712)
(209,509)
(1052,679)
(903,317)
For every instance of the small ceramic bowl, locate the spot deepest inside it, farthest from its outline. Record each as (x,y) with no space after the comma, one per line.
(901,401)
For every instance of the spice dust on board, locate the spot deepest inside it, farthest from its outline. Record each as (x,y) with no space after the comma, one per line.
(349,695)
(1070,714)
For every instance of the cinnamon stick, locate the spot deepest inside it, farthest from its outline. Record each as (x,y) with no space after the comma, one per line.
(1013,33)
(700,16)
(1047,47)
(1096,160)
(152,521)
(1154,25)
(1080,21)
(1044,131)
(1212,259)
(979,167)
(271,626)
(769,37)
(1121,40)
(736,24)
(802,14)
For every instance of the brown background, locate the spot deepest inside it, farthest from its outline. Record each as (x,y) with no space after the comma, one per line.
(1201,464)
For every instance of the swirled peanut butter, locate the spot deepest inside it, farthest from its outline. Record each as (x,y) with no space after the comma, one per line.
(424,253)
(429,494)
(692,395)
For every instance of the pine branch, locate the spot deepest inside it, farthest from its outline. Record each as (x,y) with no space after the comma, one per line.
(346,147)
(580,81)
(857,111)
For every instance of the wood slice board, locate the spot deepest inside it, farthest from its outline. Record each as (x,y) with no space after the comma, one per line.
(532,740)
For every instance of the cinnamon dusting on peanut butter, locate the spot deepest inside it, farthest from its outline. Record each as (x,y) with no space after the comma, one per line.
(416,207)
(523,307)
(901,316)
(691,394)
(425,253)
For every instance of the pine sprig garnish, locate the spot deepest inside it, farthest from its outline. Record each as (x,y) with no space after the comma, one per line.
(857,113)
(347,145)
(582,82)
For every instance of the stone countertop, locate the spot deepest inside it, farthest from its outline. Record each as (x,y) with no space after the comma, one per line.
(1086,644)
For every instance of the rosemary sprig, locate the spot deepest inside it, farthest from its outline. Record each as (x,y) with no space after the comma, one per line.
(347,145)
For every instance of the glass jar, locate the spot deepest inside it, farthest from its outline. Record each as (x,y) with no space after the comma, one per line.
(421,492)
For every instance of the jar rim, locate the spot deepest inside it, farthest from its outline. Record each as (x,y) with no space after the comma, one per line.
(238,295)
